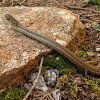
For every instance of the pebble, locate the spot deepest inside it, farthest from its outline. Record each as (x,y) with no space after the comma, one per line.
(97,49)
(57,58)
(56,94)
(41,85)
(51,77)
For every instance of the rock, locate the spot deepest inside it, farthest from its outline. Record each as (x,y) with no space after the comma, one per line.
(18,53)
(56,94)
(41,85)
(51,76)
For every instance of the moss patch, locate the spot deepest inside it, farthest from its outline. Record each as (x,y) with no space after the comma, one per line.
(58,61)
(13,94)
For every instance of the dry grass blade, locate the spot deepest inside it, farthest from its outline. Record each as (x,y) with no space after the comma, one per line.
(79,8)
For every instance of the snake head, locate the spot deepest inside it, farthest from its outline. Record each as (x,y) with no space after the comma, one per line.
(12,21)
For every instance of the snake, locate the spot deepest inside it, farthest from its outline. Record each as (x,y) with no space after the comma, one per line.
(94,70)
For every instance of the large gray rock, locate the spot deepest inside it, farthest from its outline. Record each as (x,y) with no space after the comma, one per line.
(18,53)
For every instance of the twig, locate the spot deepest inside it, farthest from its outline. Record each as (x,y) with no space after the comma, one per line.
(91,15)
(98,30)
(85,20)
(74,7)
(51,98)
(85,5)
(45,95)
(36,81)
(22,2)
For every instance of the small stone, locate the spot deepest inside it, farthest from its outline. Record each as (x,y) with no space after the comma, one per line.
(97,49)
(56,94)
(50,55)
(28,86)
(57,58)
(98,54)
(51,76)
(87,25)
(90,53)
(41,85)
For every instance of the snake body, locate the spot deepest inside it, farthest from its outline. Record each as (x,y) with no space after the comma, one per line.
(95,70)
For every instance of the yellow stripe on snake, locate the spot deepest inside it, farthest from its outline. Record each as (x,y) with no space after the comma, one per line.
(95,70)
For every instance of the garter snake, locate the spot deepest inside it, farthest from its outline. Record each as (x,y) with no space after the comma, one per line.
(95,70)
